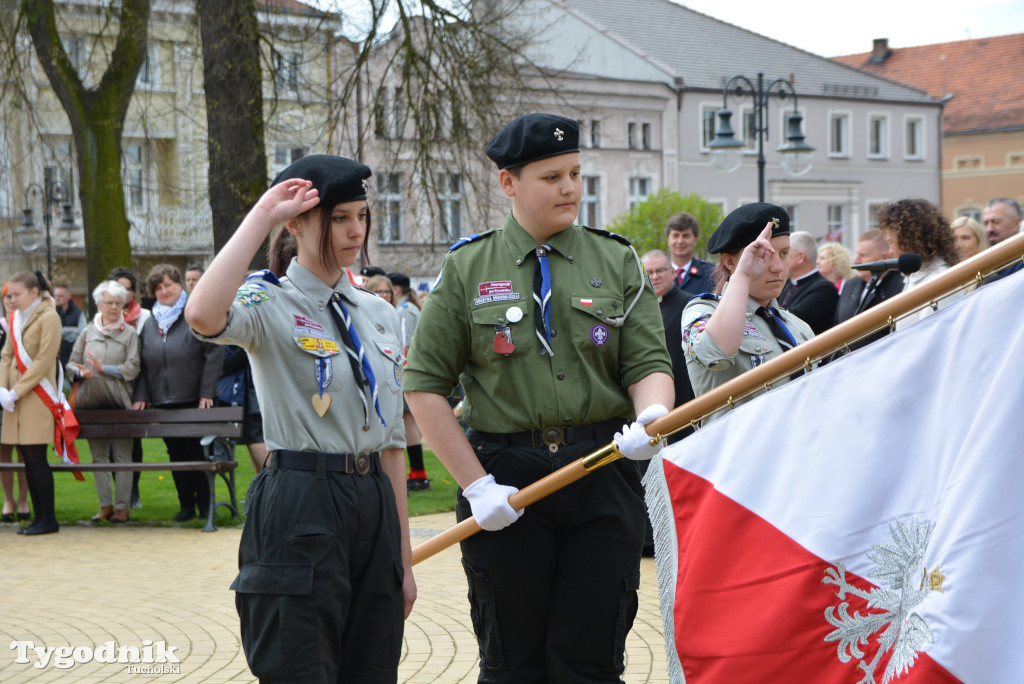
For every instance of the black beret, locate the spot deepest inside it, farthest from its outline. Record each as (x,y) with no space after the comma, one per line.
(744,224)
(534,137)
(370,271)
(337,179)
(399,279)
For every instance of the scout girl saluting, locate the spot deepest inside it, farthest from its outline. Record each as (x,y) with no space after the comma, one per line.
(559,342)
(321,591)
(729,333)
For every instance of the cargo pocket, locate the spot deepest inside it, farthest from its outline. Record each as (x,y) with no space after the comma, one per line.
(274,608)
(628,604)
(485,618)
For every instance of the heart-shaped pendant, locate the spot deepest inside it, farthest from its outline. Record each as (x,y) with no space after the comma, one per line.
(321,402)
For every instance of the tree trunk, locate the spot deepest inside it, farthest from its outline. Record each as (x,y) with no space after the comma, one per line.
(234,113)
(97,119)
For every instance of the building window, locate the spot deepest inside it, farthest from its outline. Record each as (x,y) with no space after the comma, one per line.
(631,135)
(707,126)
(839,135)
(590,205)
(967,163)
(449,197)
(149,76)
(971,212)
(284,156)
(873,208)
(1015,159)
(6,208)
(135,177)
(388,113)
(639,189)
(914,141)
(595,133)
(389,201)
(878,136)
(286,70)
(646,133)
(750,130)
(791,210)
(836,222)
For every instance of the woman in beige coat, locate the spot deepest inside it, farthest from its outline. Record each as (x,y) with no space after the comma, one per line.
(105,361)
(29,423)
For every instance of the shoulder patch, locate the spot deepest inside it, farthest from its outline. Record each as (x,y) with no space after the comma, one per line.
(608,233)
(706,295)
(463,241)
(263,276)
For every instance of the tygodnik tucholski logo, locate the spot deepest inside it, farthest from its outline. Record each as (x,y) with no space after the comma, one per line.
(148,658)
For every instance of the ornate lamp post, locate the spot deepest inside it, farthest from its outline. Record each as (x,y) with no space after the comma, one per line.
(52,193)
(727,151)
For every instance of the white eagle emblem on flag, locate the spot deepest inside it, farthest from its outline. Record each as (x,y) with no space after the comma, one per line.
(904,632)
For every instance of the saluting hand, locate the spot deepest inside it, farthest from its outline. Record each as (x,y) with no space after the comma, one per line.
(288,199)
(755,257)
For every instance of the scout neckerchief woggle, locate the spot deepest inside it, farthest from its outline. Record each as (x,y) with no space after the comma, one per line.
(542,296)
(357,360)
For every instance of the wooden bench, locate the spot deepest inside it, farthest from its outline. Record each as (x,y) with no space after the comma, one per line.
(219,424)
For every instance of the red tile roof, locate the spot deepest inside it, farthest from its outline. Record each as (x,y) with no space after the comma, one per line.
(984,75)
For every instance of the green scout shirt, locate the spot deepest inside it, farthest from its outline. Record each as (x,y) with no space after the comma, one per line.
(595,278)
(709,367)
(286,329)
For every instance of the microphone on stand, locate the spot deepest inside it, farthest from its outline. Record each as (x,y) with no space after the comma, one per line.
(906,263)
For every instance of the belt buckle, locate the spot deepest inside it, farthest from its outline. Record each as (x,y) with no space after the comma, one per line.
(551,437)
(362,464)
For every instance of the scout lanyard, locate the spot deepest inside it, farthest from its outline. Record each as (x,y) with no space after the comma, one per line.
(65,425)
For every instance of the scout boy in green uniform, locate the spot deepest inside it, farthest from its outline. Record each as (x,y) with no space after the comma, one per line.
(558,342)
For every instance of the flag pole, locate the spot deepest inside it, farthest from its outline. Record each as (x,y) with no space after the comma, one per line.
(762,377)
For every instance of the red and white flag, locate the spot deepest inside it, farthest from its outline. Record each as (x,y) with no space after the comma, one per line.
(861,525)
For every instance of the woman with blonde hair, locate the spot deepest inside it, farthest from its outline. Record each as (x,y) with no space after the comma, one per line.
(969,237)
(7,450)
(835,263)
(30,390)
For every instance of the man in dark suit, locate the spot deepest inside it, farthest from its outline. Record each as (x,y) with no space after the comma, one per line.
(672,300)
(808,294)
(691,274)
(871,247)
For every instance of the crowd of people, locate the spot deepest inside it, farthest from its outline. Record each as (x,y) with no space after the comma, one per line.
(552,361)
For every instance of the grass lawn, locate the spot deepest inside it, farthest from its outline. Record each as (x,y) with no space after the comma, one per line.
(77,501)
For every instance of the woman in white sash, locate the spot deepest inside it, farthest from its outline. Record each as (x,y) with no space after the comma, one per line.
(28,378)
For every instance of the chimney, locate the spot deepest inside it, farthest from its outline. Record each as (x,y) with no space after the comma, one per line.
(880,51)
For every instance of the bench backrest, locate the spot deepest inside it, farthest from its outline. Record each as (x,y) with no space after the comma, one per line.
(222,421)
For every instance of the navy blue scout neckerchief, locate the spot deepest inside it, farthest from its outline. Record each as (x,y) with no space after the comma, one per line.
(357,360)
(542,295)
(779,329)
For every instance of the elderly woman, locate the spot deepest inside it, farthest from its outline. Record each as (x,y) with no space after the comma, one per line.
(917,226)
(178,371)
(835,263)
(105,361)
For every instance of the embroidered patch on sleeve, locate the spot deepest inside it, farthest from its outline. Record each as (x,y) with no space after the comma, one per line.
(252,293)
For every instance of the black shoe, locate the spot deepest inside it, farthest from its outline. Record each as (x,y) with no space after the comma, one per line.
(136,503)
(7,518)
(40,528)
(417,484)
(183,515)
(24,516)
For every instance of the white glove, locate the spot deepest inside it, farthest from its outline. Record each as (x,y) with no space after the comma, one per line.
(633,442)
(489,502)
(6,400)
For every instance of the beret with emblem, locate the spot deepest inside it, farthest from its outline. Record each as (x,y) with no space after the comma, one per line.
(533,137)
(742,226)
(337,179)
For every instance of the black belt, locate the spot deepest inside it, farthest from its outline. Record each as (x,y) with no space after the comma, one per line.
(553,437)
(352,464)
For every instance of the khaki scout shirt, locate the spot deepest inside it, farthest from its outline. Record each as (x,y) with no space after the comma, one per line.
(285,329)
(710,367)
(594,277)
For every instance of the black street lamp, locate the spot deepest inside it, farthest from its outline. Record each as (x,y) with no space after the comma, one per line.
(52,193)
(727,151)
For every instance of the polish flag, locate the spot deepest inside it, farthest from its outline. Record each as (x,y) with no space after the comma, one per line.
(861,525)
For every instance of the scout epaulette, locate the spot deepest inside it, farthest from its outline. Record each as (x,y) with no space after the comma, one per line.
(706,295)
(608,233)
(461,242)
(254,290)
